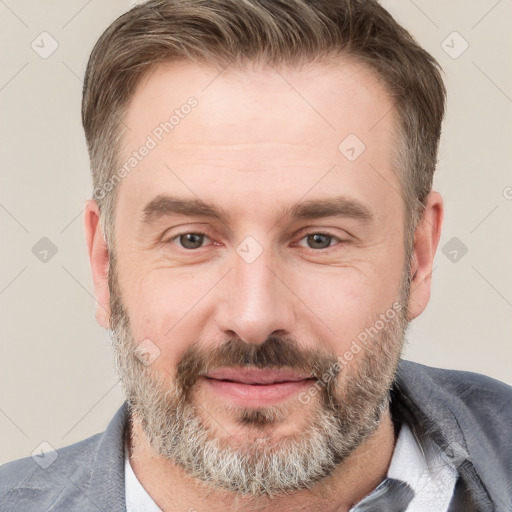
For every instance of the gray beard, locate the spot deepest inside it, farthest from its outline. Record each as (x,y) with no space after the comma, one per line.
(346,411)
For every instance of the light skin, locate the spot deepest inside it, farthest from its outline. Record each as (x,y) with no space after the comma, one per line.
(260,142)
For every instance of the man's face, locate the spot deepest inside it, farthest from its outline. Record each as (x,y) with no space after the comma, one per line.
(242,312)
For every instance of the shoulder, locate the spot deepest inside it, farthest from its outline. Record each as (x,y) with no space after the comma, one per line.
(480,405)
(469,387)
(469,415)
(33,483)
(82,476)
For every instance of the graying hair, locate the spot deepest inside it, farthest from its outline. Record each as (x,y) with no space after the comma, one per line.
(276,32)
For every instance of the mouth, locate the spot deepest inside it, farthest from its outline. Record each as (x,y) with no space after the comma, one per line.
(255,387)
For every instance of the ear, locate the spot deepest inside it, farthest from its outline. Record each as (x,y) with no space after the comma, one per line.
(99,258)
(426,239)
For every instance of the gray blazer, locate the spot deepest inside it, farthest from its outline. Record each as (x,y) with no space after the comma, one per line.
(468,415)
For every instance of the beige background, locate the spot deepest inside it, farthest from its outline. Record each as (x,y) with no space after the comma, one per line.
(57,382)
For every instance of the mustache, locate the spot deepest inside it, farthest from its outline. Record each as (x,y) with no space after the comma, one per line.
(274,353)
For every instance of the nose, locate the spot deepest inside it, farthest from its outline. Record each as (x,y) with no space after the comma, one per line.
(255,301)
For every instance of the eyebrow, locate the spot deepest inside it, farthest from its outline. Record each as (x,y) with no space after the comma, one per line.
(164,205)
(340,206)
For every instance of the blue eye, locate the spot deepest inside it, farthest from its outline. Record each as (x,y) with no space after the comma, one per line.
(319,240)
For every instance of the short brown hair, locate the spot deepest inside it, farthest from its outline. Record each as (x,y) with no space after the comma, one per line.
(227,32)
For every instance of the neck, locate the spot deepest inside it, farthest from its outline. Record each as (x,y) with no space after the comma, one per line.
(173,489)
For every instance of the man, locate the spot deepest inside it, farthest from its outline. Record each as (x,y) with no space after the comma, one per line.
(262,232)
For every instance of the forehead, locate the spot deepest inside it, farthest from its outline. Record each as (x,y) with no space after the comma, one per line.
(330,99)
(259,130)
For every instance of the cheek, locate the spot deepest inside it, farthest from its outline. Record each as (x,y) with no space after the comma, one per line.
(164,307)
(344,302)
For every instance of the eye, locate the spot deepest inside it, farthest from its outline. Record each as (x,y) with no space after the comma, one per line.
(319,240)
(190,240)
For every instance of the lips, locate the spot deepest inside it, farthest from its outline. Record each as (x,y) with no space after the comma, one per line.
(252,387)
(256,376)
